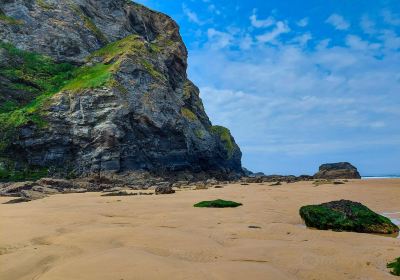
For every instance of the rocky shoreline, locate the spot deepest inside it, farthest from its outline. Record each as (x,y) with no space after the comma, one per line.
(32,190)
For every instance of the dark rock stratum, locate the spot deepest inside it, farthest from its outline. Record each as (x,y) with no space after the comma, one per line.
(91,86)
(340,170)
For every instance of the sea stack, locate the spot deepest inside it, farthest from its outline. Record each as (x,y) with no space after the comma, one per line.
(340,170)
(92,86)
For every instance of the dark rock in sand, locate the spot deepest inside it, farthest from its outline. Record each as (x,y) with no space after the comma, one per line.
(120,193)
(16,188)
(58,184)
(164,190)
(341,170)
(32,195)
(345,215)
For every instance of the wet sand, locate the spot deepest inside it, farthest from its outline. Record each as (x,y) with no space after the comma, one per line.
(86,236)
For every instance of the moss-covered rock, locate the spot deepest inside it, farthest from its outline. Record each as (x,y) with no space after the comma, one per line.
(395,266)
(345,215)
(219,203)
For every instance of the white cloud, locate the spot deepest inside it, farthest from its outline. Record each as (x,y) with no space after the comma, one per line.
(218,39)
(367,25)
(212,8)
(279,29)
(391,18)
(303,22)
(246,42)
(357,43)
(390,39)
(303,39)
(338,22)
(192,16)
(261,23)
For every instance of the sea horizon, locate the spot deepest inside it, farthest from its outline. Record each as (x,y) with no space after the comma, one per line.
(380,176)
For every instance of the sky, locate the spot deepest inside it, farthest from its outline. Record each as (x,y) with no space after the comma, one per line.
(298,83)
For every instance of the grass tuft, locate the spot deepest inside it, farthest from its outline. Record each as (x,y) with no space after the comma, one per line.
(188,114)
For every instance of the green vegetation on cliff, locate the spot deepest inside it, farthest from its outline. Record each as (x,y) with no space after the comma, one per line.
(226,138)
(188,114)
(134,47)
(89,77)
(9,20)
(28,173)
(38,78)
(33,75)
(41,77)
(112,51)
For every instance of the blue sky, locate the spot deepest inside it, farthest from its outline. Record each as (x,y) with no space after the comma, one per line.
(299,83)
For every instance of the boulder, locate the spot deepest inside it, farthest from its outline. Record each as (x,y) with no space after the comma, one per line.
(58,184)
(340,170)
(346,215)
(32,195)
(164,190)
(16,188)
(45,190)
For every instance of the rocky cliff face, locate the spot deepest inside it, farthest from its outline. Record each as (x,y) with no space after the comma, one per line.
(89,86)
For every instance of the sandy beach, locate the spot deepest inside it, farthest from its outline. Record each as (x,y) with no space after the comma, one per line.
(86,236)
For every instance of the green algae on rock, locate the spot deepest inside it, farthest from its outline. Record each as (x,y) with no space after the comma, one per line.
(219,203)
(345,215)
(395,266)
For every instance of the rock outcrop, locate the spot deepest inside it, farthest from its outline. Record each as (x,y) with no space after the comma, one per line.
(100,86)
(345,215)
(341,170)
(164,190)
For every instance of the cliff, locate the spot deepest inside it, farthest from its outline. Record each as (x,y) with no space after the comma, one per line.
(89,86)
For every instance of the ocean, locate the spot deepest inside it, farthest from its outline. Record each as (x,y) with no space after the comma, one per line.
(381,177)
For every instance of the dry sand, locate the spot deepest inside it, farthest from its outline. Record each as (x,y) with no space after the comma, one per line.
(86,236)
